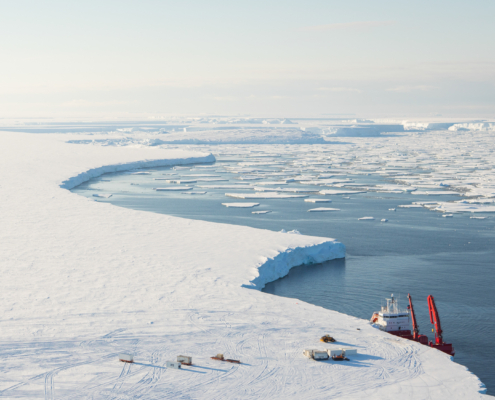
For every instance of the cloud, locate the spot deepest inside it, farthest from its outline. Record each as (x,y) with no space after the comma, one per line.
(339,89)
(355,26)
(407,89)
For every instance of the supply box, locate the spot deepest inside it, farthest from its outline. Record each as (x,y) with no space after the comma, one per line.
(316,354)
(184,360)
(124,357)
(334,352)
(173,364)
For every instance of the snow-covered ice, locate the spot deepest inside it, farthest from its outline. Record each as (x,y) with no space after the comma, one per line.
(318,200)
(323,209)
(337,192)
(269,195)
(84,281)
(172,188)
(181,181)
(240,205)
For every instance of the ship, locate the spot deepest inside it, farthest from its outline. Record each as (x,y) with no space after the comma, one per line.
(397,322)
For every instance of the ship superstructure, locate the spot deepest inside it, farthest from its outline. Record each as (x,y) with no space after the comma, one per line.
(393,320)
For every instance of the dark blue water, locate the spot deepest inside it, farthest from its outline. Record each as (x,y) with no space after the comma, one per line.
(416,251)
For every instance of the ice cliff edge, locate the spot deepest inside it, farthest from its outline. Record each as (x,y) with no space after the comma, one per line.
(94,172)
(279,266)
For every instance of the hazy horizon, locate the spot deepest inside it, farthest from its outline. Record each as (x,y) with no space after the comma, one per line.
(287,59)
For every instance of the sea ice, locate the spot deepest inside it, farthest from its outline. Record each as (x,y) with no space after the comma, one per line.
(331,192)
(290,190)
(318,200)
(366,219)
(172,188)
(269,195)
(225,186)
(293,232)
(240,205)
(179,181)
(106,196)
(321,209)
(261,212)
(204,175)
(271,183)
(212,180)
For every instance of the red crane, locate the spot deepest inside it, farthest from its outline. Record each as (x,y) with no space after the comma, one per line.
(423,339)
(435,319)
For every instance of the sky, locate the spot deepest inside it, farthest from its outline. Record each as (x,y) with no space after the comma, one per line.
(267,58)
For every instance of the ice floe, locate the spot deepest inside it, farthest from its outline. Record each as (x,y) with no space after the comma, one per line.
(172,188)
(240,205)
(339,192)
(180,181)
(269,195)
(322,209)
(318,200)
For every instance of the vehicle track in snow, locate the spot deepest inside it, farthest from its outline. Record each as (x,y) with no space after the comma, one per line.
(49,377)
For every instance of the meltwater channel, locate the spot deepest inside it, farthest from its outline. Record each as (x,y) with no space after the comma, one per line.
(416,251)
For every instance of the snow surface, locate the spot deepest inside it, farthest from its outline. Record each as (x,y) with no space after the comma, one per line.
(84,281)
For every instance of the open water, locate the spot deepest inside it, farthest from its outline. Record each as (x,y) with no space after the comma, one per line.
(417,251)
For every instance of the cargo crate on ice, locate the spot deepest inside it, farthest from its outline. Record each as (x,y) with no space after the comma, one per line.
(173,364)
(316,354)
(129,358)
(186,360)
(334,353)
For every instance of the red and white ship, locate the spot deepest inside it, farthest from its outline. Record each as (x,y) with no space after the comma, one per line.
(393,320)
